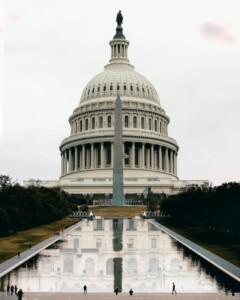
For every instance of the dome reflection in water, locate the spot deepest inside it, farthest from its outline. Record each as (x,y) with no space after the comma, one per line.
(123,253)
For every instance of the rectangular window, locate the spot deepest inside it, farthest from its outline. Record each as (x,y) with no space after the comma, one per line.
(134,122)
(142,122)
(109,121)
(126,121)
(150,124)
(98,243)
(100,122)
(153,243)
(86,124)
(130,244)
(80,126)
(93,123)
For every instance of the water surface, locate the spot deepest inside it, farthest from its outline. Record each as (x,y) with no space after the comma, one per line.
(123,253)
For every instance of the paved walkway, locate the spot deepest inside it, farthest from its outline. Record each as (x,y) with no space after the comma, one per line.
(103,296)
(216,260)
(16,261)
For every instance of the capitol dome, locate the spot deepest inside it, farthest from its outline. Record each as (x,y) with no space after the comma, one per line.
(119,79)
(150,155)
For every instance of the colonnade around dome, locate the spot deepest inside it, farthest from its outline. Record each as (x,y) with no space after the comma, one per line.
(136,155)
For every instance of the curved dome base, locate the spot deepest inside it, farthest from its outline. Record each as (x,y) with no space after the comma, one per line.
(99,181)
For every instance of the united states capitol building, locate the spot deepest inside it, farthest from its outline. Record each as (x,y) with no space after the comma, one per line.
(150,154)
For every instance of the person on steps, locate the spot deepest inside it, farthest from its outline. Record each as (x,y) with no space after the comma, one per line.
(20,294)
(174,289)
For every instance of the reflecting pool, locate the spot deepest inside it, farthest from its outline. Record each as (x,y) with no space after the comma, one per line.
(123,253)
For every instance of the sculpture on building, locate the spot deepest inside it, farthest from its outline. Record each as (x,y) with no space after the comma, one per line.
(119,18)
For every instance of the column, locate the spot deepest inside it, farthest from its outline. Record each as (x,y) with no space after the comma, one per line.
(80,158)
(160,157)
(123,155)
(95,156)
(88,154)
(147,157)
(133,155)
(83,156)
(175,163)
(143,156)
(102,156)
(70,159)
(152,157)
(139,156)
(166,160)
(75,158)
(62,163)
(112,159)
(92,156)
(172,167)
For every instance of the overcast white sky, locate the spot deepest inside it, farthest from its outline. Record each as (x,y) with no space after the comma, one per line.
(189,50)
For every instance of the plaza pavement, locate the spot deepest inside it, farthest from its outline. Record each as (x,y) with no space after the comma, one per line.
(105,296)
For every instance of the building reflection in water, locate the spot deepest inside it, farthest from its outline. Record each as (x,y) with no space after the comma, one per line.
(103,254)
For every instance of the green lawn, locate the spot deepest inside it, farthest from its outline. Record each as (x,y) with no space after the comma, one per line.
(119,211)
(12,244)
(218,243)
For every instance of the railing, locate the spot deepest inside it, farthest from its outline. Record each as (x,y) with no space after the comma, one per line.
(82,214)
(153,214)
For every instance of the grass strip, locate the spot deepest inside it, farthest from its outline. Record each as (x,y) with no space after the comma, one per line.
(12,244)
(219,243)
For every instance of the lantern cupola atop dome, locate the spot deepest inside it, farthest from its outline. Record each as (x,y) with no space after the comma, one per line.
(119,44)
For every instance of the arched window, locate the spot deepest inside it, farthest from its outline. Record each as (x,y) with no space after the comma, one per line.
(86,124)
(104,88)
(124,87)
(132,266)
(131,88)
(101,122)
(75,130)
(134,121)
(93,90)
(155,125)
(160,126)
(153,265)
(111,87)
(68,265)
(150,124)
(109,121)
(76,243)
(109,266)
(118,87)
(98,89)
(126,121)
(93,123)
(175,264)
(142,122)
(88,91)
(80,125)
(89,266)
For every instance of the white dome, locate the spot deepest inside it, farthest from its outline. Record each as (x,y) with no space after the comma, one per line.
(118,78)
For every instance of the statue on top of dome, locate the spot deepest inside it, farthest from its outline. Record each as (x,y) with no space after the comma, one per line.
(119,18)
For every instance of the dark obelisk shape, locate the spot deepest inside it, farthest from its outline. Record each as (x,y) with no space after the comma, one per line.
(118,195)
